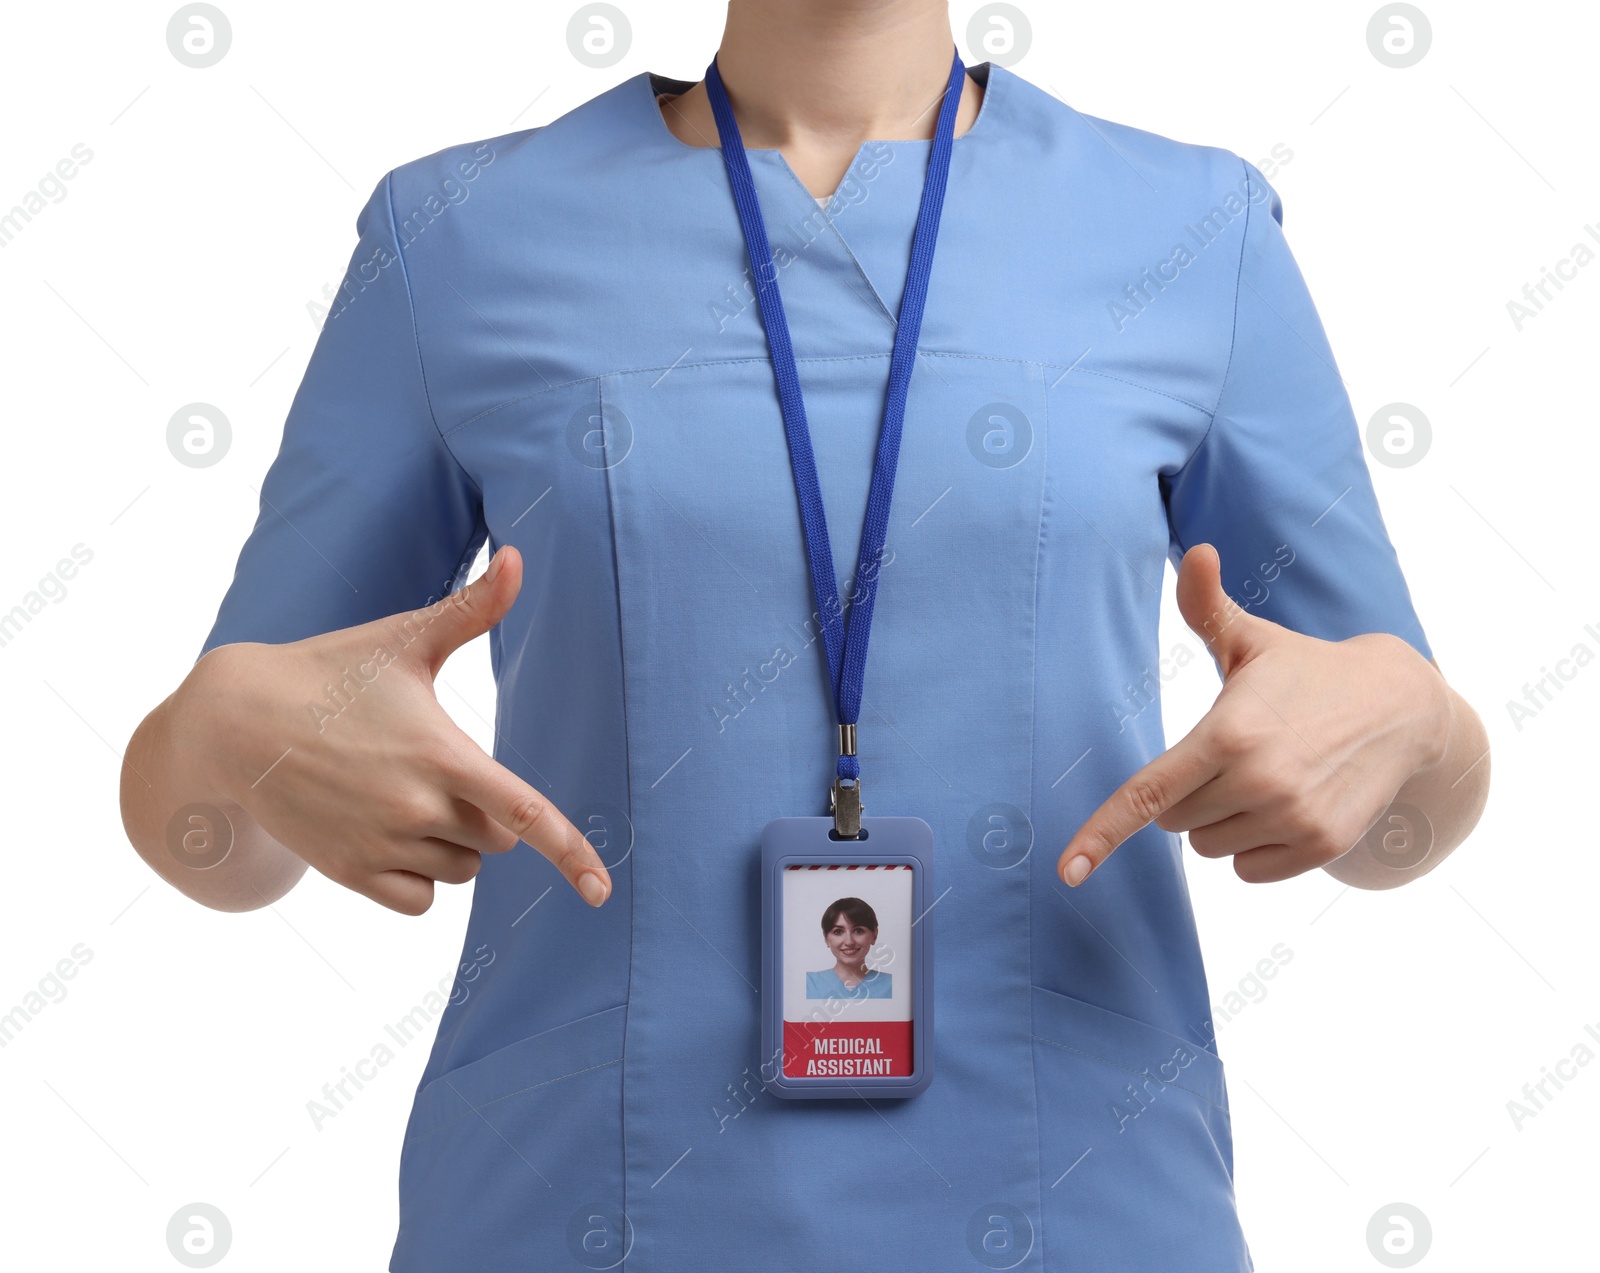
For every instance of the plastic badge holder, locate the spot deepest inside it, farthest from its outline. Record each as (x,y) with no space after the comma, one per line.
(819,1036)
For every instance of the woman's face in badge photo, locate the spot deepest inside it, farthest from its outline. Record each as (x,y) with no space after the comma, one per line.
(849,936)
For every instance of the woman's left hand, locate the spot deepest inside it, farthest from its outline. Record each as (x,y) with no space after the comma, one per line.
(1304,749)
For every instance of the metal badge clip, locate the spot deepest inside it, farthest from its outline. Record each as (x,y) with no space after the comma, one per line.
(844,796)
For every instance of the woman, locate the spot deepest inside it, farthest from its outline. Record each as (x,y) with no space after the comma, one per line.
(850,927)
(1118,366)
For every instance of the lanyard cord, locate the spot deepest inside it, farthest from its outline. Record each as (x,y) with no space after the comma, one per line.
(846,643)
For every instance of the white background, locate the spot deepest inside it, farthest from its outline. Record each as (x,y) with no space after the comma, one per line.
(179,268)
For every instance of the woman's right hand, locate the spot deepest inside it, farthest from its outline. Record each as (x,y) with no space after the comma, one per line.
(339,750)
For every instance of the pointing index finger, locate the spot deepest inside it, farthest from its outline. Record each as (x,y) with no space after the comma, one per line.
(519,807)
(1135,804)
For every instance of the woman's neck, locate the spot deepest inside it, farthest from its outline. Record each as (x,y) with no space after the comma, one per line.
(856,972)
(835,70)
(815,80)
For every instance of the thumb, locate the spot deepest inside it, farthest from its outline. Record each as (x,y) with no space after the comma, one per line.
(435,632)
(1231,634)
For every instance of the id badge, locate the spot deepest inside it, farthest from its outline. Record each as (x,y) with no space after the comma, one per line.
(846,958)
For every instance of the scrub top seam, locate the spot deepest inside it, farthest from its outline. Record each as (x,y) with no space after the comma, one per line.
(416,340)
(833,229)
(1233,337)
(1033,748)
(1201,1096)
(1084,371)
(495,1100)
(627,777)
(735,362)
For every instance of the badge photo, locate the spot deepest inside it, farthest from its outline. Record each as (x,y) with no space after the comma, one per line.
(847,957)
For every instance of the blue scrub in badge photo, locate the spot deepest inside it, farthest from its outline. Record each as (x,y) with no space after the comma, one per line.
(850,927)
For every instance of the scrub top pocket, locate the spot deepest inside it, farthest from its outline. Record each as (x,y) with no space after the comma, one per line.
(517,1155)
(1136,1144)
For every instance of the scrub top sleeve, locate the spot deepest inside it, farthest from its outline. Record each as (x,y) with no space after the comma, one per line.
(1279,483)
(364,512)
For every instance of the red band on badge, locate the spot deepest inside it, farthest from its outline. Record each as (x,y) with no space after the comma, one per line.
(846,1049)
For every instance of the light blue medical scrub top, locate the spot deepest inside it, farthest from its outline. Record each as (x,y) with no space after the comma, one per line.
(827,984)
(548,339)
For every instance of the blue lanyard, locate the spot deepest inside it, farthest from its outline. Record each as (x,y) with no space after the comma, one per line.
(847,650)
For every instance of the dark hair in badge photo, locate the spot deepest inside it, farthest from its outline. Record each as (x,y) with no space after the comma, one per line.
(850,927)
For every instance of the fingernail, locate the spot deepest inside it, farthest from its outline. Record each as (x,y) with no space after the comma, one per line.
(1077,870)
(495,563)
(589,884)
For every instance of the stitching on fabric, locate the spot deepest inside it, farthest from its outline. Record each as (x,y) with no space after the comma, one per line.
(883,309)
(739,362)
(1132,384)
(627,773)
(1136,1073)
(1233,344)
(416,338)
(1233,337)
(473,1109)
(1033,746)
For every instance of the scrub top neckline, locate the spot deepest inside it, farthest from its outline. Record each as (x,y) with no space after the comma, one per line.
(650,83)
